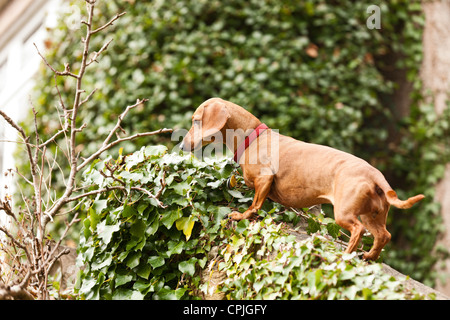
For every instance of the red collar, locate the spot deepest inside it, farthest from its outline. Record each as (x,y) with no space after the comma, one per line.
(248,140)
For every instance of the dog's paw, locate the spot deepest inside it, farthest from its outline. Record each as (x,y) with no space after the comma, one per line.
(368,257)
(235,216)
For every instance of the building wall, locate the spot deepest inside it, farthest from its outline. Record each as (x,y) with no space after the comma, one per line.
(22,23)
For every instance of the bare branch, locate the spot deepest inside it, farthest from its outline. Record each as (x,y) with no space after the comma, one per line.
(117,16)
(15,292)
(66,71)
(96,54)
(120,118)
(123,188)
(13,124)
(14,240)
(51,139)
(88,97)
(91,193)
(26,140)
(23,177)
(112,144)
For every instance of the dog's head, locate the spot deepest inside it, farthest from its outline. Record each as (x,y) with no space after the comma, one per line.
(208,124)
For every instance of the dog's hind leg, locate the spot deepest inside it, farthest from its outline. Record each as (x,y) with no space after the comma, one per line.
(376,224)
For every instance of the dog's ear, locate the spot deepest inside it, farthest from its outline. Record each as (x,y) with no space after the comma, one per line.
(214,117)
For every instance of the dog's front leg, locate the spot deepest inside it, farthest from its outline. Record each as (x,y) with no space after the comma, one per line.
(262,187)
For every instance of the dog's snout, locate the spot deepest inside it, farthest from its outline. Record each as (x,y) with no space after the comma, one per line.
(185,145)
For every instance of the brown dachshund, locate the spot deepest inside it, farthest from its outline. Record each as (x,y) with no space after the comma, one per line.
(299,174)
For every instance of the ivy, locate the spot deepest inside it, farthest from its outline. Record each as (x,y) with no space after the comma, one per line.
(133,247)
(311,269)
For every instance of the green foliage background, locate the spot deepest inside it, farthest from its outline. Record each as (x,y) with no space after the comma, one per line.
(310,68)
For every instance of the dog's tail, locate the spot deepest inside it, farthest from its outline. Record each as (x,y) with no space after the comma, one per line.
(392,197)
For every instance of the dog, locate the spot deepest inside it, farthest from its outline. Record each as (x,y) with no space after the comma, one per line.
(298,174)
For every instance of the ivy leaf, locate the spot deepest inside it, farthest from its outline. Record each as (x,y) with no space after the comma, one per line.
(156,261)
(122,279)
(188,267)
(313,225)
(105,232)
(175,247)
(185,224)
(235,194)
(128,211)
(144,271)
(138,229)
(153,225)
(221,213)
(134,159)
(214,184)
(127,294)
(157,150)
(180,188)
(170,217)
(333,229)
(99,205)
(168,294)
(133,259)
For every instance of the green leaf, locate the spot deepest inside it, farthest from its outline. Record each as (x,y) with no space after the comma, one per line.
(235,193)
(214,184)
(100,205)
(94,218)
(175,247)
(134,159)
(122,279)
(180,188)
(103,262)
(170,217)
(157,150)
(333,229)
(313,225)
(133,259)
(128,211)
(242,226)
(138,229)
(153,225)
(221,213)
(367,293)
(144,271)
(105,232)
(169,294)
(156,261)
(122,294)
(188,267)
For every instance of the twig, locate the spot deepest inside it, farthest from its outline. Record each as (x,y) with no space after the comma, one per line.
(107,145)
(111,170)
(96,54)
(88,97)
(66,71)
(117,16)
(123,188)
(163,185)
